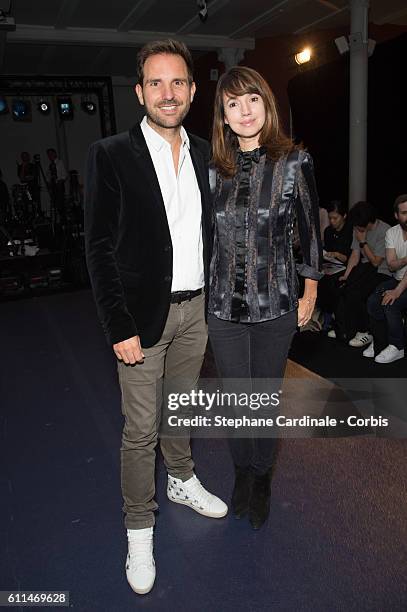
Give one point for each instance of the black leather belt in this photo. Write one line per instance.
(184, 296)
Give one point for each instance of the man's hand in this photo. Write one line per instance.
(342, 279)
(129, 351)
(360, 236)
(390, 296)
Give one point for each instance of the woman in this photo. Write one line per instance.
(263, 182)
(337, 247)
(339, 234)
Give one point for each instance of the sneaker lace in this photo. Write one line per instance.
(199, 493)
(389, 350)
(140, 550)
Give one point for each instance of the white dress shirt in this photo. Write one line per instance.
(182, 201)
(60, 168)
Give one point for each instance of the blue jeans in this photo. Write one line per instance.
(387, 321)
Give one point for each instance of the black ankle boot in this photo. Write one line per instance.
(259, 507)
(242, 491)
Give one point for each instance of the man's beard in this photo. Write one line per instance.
(403, 226)
(170, 122)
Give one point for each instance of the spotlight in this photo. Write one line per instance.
(342, 44)
(203, 10)
(21, 110)
(44, 107)
(88, 106)
(3, 105)
(303, 57)
(65, 108)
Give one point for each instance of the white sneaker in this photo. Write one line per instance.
(191, 493)
(331, 333)
(389, 354)
(369, 351)
(361, 339)
(140, 565)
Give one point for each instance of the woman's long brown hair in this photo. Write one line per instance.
(238, 81)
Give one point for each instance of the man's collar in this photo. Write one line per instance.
(156, 140)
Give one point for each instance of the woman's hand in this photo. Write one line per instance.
(306, 306)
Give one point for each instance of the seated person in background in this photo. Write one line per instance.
(386, 305)
(366, 268)
(339, 234)
(337, 242)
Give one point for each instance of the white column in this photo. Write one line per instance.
(358, 43)
(230, 56)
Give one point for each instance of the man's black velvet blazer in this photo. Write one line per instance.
(128, 242)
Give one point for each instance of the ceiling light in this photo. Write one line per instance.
(44, 107)
(3, 105)
(21, 110)
(342, 44)
(303, 56)
(88, 106)
(65, 108)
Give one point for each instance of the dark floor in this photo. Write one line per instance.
(336, 539)
(333, 359)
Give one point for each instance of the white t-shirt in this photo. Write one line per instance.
(395, 240)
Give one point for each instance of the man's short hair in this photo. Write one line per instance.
(51, 150)
(399, 200)
(361, 214)
(169, 46)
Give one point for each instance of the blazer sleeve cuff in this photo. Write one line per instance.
(309, 272)
(121, 329)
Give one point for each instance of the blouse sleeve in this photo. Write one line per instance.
(307, 211)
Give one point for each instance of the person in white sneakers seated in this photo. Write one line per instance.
(366, 268)
(388, 303)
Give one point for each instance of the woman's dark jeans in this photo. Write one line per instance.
(252, 351)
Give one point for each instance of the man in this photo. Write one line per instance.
(56, 177)
(387, 304)
(27, 173)
(148, 235)
(366, 268)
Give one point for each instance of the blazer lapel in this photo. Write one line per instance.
(146, 164)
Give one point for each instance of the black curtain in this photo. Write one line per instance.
(319, 102)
